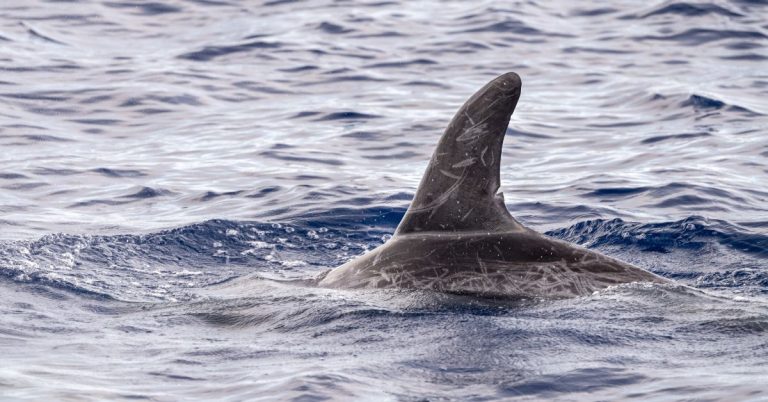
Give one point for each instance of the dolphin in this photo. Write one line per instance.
(458, 237)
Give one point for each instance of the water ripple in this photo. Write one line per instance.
(174, 172)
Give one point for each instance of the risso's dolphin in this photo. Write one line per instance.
(457, 235)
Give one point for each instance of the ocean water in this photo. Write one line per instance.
(169, 168)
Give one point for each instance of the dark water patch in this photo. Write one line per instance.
(153, 111)
(367, 135)
(212, 3)
(25, 186)
(49, 286)
(42, 69)
(732, 327)
(24, 126)
(31, 31)
(676, 62)
(91, 203)
(588, 337)
(383, 34)
(299, 69)
(14, 333)
(586, 380)
(346, 78)
(210, 195)
(381, 3)
(309, 177)
(401, 64)
(689, 10)
(97, 122)
(130, 329)
(145, 8)
(702, 102)
(305, 113)
(755, 224)
(281, 2)
(460, 47)
(46, 96)
(349, 115)
(509, 25)
(426, 84)
(389, 147)
(672, 188)
(148, 192)
(582, 49)
(201, 76)
(334, 29)
(209, 53)
(383, 217)
(744, 45)
(548, 211)
(44, 171)
(700, 36)
(745, 57)
(336, 71)
(261, 88)
(683, 200)
(119, 71)
(402, 196)
(399, 156)
(130, 102)
(264, 192)
(358, 53)
(175, 377)
(45, 138)
(305, 159)
(620, 124)
(12, 176)
(51, 111)
(745, 278)
(593, 12)
(95, 99)
(694, 233)
(616, 192)
(118, 172)
(256, 36)
(184, 99)
(660, 138)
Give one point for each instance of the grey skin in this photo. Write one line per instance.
(458, 237)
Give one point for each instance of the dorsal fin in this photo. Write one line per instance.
(458, 190)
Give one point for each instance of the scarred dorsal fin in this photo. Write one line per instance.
(458, 190)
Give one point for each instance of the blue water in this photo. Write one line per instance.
(172, 170)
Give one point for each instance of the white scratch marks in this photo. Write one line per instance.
(464, 163)
(449, 174)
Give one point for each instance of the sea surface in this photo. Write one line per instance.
(168, 168)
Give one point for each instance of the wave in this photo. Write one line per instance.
(166, 264)
(209, 53)
(692, 233)
(686, 9)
